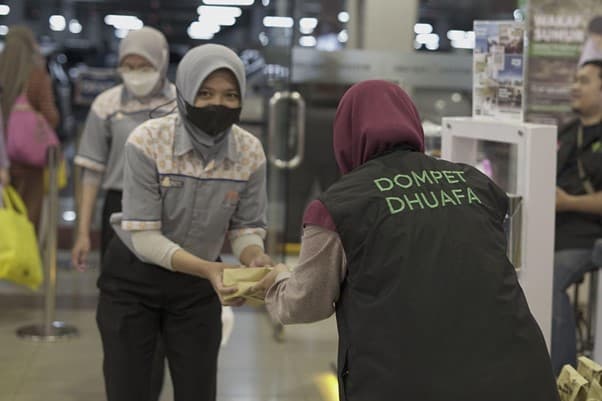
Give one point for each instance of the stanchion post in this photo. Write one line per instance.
(51, 242)
(50, 330)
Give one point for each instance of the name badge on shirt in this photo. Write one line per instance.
(231, 198)
(169, 182)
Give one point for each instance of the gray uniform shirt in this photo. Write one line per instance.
(113, 116)
(194, 203)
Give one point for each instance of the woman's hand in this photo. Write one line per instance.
(254, 256)
(261, 260)
(80, 252)
(215, 277)
(260, 289)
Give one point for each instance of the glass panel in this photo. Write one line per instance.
(281, 147)
(318, 170)
(273, 66)
(498, 161)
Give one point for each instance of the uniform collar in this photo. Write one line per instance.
(183, 145)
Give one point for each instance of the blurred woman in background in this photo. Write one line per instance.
(115, 113)
(23, 71)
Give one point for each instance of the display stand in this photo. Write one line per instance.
(532, 167)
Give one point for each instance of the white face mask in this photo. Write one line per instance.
(140, 84)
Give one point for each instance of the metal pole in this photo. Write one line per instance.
(50, 330)
(51, 243)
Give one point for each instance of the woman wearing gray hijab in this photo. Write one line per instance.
(191, 180)
(143, 63)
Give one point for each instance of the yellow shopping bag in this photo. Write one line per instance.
(62, 176)
(19, 255)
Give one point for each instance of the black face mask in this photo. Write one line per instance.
(213, 119)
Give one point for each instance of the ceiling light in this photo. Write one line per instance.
(343, 36)
(124, 22)
(455, 34)
(308, 41)
(343, 17)
(57, 23)
(461, 39)
(306, 31)
(423, 28)
(3, 30)
(462, 44)
(308, 25)
(278, 22)
(203, 30)
(426, 38)
(121, 33)
(223, 21)
(229, 2)
(200, 36)
(74, 26)
(204, 26)
(218, 11)
(265, 2)
(4, 9)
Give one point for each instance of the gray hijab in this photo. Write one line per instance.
(198, 63)
(151, 44)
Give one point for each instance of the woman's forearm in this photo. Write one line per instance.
(184, 262)
(86, 207)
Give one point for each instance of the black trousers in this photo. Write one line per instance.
(112, 204)
(141, 304)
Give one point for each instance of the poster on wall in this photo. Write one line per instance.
(498, 70)
(562, 35)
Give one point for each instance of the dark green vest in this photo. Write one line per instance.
(431, 309)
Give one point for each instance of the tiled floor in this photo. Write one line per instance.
(253, 366)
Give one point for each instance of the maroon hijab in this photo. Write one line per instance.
(372, 117)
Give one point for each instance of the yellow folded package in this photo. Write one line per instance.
(571, 385)
(592, 372)
(244, 278)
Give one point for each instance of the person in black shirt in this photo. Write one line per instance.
(578, 204)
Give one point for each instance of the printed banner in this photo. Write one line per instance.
(562, 35)
(498, 70)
